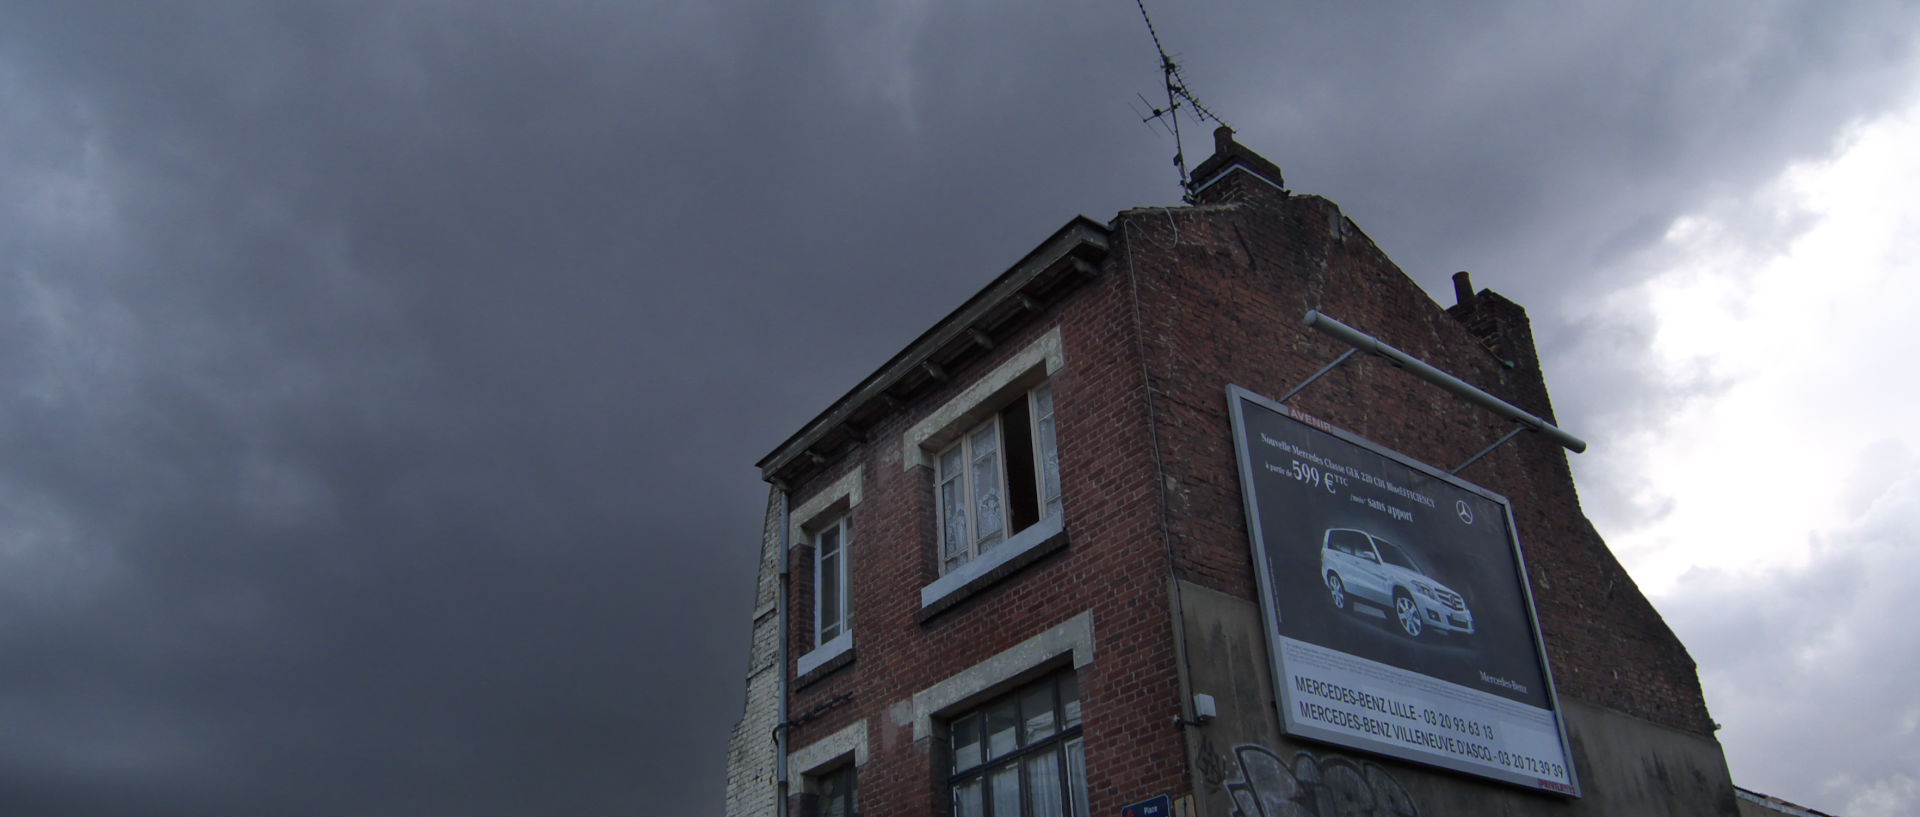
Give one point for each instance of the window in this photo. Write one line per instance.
(1021, 755)
(1349, 541)
(1395, 556)
(998, 479)
(830, 581)
(822, 538)
(836, 793)
(827, 769)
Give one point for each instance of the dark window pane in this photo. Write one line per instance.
(1002, 727)
(829, 596)
(1069, 701)
(966, 743)
(1036, 711)
(836, 794)
(1350, 541)
(830, 539)
(1394, 556)
(1023, 501)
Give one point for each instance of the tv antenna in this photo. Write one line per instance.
(1178, 97)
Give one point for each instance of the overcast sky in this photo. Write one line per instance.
(382, 381)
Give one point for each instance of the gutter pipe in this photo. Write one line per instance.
(780, 731)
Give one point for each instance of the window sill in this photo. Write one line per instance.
(822, 659)
(1025, 548)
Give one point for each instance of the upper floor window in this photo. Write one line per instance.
(830, 585)
(1021, 755)
(999, 478)
(822, 536)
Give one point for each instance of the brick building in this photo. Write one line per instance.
(1009, 572)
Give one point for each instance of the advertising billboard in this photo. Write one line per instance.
(1396, 604)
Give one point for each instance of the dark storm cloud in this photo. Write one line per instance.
(384, 379)
(1556, 138)
(365, 424)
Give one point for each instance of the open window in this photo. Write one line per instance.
(995, 461)
(1000, 478)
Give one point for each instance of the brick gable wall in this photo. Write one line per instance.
(1224, 286)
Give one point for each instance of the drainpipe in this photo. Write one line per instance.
(780, 615)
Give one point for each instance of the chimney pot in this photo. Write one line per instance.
(1462, 288)
(1222, 139)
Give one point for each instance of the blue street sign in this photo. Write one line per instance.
(1161, 806)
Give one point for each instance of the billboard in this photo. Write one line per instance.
(1396, 604)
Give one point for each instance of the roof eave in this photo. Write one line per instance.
(1073, 251)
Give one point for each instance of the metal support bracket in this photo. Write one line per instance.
(1489, 449)
(1319, 374)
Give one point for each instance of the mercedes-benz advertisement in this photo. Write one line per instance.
(1396, 605)
(1362, 567)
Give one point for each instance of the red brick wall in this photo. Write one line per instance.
(1189, 300)
(1114, 565)
(1223, 288)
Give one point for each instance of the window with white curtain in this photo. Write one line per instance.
(1021, 755)
(998, 479)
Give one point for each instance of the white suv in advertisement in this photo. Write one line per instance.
(1359, 566)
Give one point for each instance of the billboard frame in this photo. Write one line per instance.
(1237, 397)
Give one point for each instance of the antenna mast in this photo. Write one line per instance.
(1177, 95)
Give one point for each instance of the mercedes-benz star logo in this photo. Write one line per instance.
(1466, 513)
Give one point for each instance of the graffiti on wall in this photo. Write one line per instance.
(1263, 784)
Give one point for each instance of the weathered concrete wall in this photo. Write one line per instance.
(1244, 767)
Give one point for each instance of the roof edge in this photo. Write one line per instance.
(1077, 237)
